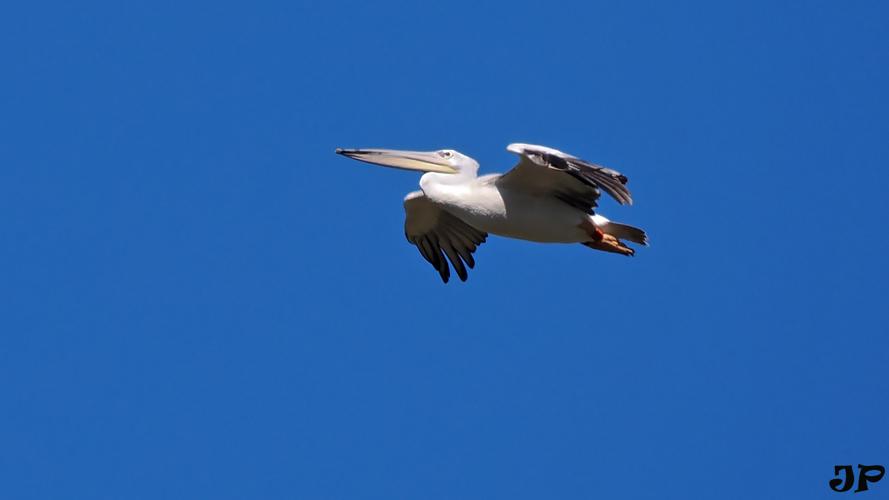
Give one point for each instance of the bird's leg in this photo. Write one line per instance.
(610, 244)
(604, 241)
(592, 231)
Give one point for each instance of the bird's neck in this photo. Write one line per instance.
(442, 186)
(435, 178)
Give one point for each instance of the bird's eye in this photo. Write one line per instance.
(445, 154)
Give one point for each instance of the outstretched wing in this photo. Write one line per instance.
(548, 171)
(437, 233)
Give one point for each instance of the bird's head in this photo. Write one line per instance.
(442, 161)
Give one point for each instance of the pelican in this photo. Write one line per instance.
(548, 197)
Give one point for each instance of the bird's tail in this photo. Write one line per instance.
(625, 232)
(621, 231)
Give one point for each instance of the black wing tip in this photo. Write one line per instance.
(444, 271)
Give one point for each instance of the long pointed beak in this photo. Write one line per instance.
(409, 160)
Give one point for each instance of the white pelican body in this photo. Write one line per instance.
(548, 197)
(484, 205)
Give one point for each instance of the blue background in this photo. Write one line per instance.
(200, 300)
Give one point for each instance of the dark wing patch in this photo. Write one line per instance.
(440, 236)
(612, 181)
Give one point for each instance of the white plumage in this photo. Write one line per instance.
(548, 197)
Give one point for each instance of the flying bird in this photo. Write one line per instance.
(548, 197)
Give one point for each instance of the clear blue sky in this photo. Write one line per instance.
(200, 300)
